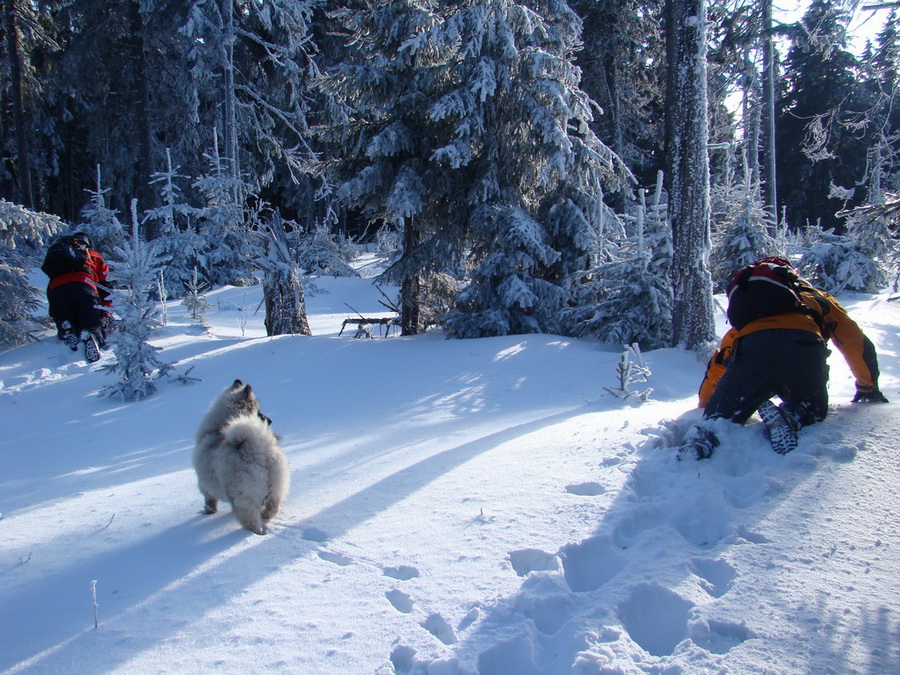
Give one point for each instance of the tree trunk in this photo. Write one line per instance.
(144, 163)
(14, 57)
(752, 121)
(688, 172)
(770, 197)
(285, 303)
(411, 286)
(228, 108)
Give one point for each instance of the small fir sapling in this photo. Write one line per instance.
(194, 300)
(101, 222)
(631, 369)
(173, 225)
(134, 277)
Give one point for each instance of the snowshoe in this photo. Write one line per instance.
(781, 427)
(91, 350)
(698, 444)
(67, 335)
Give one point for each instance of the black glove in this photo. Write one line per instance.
(869, 395)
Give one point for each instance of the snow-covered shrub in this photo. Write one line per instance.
(835, 263)
(23, 233)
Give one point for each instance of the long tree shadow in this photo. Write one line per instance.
(57, 607)
(167, 561)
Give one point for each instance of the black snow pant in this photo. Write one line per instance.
(790, 364)
(77, 303)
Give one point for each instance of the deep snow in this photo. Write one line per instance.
(456, 507)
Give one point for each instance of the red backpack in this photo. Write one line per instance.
(764, 288)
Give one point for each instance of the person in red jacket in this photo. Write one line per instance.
(77, 293)
(783, 355)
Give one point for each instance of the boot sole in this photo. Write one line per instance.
(779, 431)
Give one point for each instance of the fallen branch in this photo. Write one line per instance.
(371, 321)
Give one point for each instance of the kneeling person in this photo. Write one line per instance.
(776, 346)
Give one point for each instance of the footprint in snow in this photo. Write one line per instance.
(588, 565)
(438, 626)
(715, 575)
(640, 519)
(655, 618)
(314, 534)
(532, 560)
(751, 536)
(336, 558)
(719, 637)
(401, 572)
(703, 522)
(548, 613)
(470, 618)
(589, 489)
(401, 601)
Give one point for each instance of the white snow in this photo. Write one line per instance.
(456, 507)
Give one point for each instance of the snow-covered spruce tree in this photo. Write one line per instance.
(282, 290)
(251, 63)
(323, 251)
(101, 222)
(23, 233)
(835, 262)
(177, 240)
(228, 248)
(133, 274)
(466, 129)
(872, 236)
(741, 232)
(633, 294)
(543, 172)
(816, 148)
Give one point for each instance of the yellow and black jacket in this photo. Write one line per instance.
(825, 318)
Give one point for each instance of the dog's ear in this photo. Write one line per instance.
(236, 384)
(248, 392)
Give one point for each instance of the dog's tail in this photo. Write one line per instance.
(251, 438)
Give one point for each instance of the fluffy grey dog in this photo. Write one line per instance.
(237, 459)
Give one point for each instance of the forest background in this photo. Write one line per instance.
(589, 168)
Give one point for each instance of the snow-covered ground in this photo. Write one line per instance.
(456, 507)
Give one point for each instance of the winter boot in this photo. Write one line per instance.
(91, 350)
(781, 427)
(67, 335)
(698, 444)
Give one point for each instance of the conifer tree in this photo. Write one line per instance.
(323, 251)
(101, 222)
(194, 300)
(177, 239)
(23, 233)
(133, 275)
(835, 262)
(468, 130)
(252, 62)
(228, 248)
(741, 228)
(816, 148)
(632, 289)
